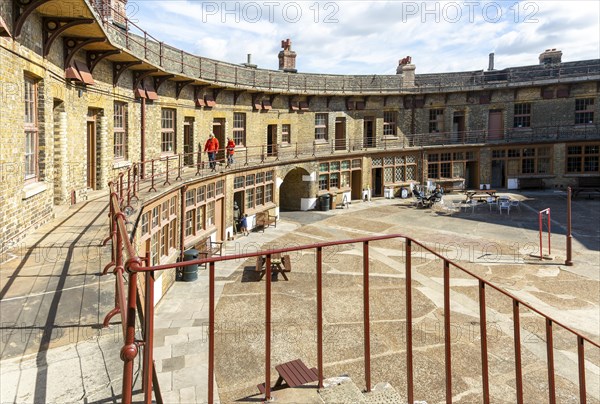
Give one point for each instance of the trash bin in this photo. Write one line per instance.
(325, 202)
(190, 272)
(388, 193)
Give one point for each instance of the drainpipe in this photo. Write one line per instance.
(143, 135)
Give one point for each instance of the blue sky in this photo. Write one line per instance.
(369, 37)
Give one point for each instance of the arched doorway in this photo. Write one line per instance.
(294, 189)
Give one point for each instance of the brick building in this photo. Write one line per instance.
(101, 95)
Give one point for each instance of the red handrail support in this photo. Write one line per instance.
(541, 223)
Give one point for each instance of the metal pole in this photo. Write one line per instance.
(484, 350)
(320, 314)
(517, 340)
(541, 246)
(143, 135)
(581, 365)
(409, 350)
(549, 233)
(568, 261)
(550, 358)
(366, 316)
(447, 342)
(211, 330)
(268, 329)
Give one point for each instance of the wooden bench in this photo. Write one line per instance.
(294, 373)
(586, 185)
(264, 219)
(531, 183)
(208, 248)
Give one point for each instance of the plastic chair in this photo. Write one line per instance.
(515, 204)
(504, 204)
(491, 201)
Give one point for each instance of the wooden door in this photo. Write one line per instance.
(219, 131)
(495, 125)
(340, 133)
(272, 140)
(369, 132)
(188, 141)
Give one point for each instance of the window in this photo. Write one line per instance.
(260, 193)
(250, 198)
(239, 128)
(436, 120)
(334, 175)
(285, 133)
(174, 233)
(526, 160)
(583, 158)
(389, 123)
(154, 258)
(189, 223)
(584, 110)
(200, 218)
(120, 130)
(31, 130)
(210, 213)
(190, 197)
(145, 223)
(269, 193)
(440, 165)
(167, 131)
(321, 126)
(522, 117)
(164, 242)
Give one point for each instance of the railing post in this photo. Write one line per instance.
(447, 341)
(152, 188)
(268, 328)
(568, 261)
(409, 341)
(246, 156)
(130, 348)
(179, 169)
(581, 366)
(320, 314)
(366, 316)
(198, 162)
(148, 335)
(211, 330)
(167, 174)
(550, 358)
(517, 340)
(484, 349)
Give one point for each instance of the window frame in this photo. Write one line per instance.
(321, 127)
(239, 129)
(390, 120)
(31, 169)
(168, 132)
(120, 136)
(522, 115)
(583, 157)
(584, 114)
(286, 136)
(435, 126)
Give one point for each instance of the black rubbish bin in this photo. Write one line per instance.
(325, 202)
(190, 272)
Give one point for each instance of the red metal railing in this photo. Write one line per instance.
(127, 263)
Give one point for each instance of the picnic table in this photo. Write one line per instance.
(279, 265)
(480, 194)
(294, 373)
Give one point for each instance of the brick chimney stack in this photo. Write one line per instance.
(407, 70)
(551, 57)
(287, 57)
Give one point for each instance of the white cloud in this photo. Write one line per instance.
(369, 37)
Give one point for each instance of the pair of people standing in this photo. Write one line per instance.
(211, 147)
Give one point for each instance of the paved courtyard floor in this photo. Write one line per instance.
(53, 302)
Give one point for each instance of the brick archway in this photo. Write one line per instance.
(294, 188)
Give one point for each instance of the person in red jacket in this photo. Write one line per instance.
(230, 151)
(211, 147)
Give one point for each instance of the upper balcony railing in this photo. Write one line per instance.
(128, 264)
(128, 35)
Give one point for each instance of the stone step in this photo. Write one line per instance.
(383, 393)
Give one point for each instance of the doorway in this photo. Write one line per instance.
(188, 141)
(369, 132)
(498, 174)
(458, 127)
(495, 125)
(219, 131)
(340, 133)
(91, 149)
(356, 185)
(471, 175)
(272, 140)
(377, 182)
